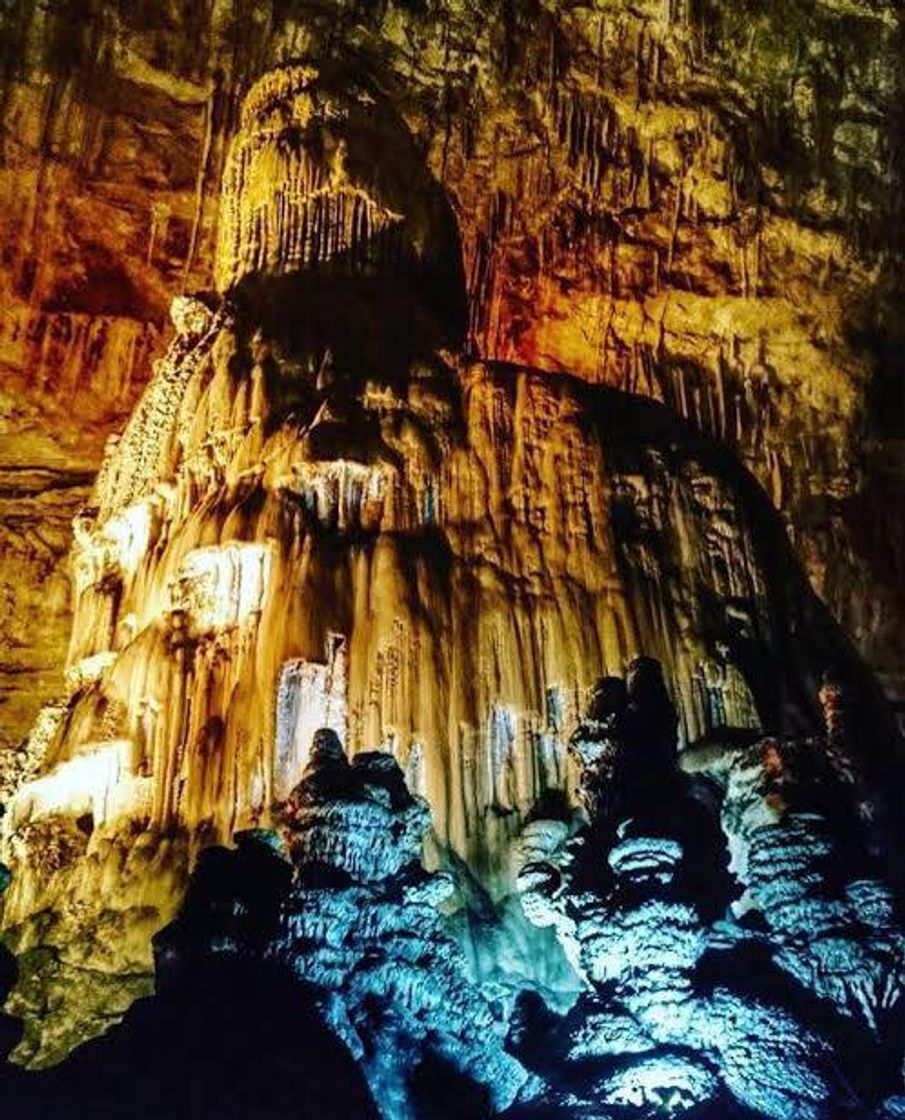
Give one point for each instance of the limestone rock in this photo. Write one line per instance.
(354, 917)
(652, 1034)
(347, 497)
(692, 202)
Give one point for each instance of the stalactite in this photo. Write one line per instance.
(437, 556)
(142, 455)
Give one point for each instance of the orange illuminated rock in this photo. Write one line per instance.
(322, 513)
(679, 200)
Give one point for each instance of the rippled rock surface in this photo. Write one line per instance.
(787, 1005)
(353, 917)
(699, 202)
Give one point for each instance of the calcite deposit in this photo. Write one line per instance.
(766, 985)
(487, 546)
(310, 521)
(695, 201)
(357, 920)
(686, 1008)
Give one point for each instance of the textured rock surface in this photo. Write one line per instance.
(10, 1029)
(696, 201)
(355, 918)
(685, 1009)
(37, 505)
(333, 517)
(220, 1037)
(392, 473)
(330, 934)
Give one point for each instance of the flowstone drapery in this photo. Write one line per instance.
(325, 512)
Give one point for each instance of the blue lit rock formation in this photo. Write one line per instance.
(224, 1035)
(685, 1009)
(353, 917)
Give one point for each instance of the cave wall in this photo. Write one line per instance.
(693, 201)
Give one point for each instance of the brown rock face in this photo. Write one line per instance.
(325, 511)
(694, 201)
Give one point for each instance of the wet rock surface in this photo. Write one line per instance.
(352, 916)
(322, 949)
(506, 368)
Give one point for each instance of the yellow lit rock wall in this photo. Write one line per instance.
(686, 200)
(451, 601)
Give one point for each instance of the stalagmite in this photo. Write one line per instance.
(357, 921)
(640, 925)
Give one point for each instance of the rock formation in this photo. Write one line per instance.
(353, 917)
(9, 1028)
(685, 1008)
(223, 1035)
(320, 519)
(348, 508)
(769, 986)
(688, 200)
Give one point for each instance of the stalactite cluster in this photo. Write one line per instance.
(358, 586)
(690, 201)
